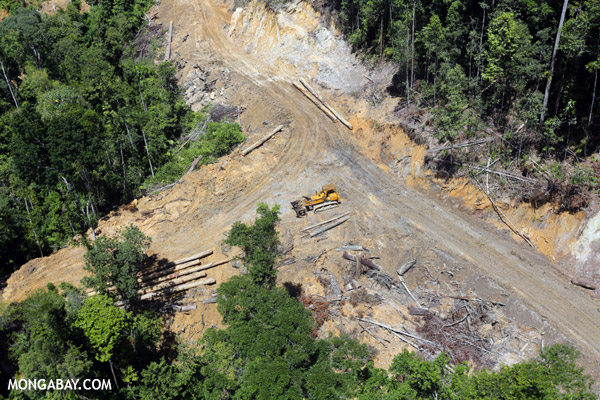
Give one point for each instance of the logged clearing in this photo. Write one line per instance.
(500, 299)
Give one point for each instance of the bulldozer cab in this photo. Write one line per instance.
(330, 192)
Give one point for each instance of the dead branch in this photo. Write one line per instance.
(389, 328)
(380, 340)
(503, 217)
(460, 145)
(408, 291)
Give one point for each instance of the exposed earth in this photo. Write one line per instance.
(516, 299)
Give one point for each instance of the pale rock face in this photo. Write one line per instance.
(586, 249)
(294, 39)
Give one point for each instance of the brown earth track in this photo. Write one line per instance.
(312, 151)
(515, 267)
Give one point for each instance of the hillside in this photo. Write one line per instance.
(248, 59)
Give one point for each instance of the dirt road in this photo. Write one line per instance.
(312, 151)
(317, 151)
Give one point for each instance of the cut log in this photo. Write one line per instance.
(169, 270)
(183, 308)
(406, 267)
(330, 226)
(261, 141)
(305, 92)
(326, 104)
(417, 311)
(169, 37)
(584, 284)
(194, 257)
(188, 261)
(168, 277)
(210, 300)
(325, 222)
(184, 269)
(179, 288)
(364, 261)
(173, 282)
(350, 247)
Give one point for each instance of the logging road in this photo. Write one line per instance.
(311, 151)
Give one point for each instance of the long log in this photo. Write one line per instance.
(168, 50)
(325, 222)
(180, 288)
(326, 104)
(173, 282)
(168, 270)
(305, 92)
(174, 275)
(261, 141)
(172, 264)
(330, 226)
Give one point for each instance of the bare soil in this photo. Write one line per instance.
(461, 261)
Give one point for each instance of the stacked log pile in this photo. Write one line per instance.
(176, 276)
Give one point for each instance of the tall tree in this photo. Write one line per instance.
(553, 60)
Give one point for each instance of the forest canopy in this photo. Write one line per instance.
(86, 123)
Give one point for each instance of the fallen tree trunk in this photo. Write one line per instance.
(315, 101)
(326, 104)
(169, 37)
(325, 222)
(330, 226)
(194, 163)
(261, 141)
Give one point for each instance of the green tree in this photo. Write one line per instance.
(259, 243)
(115, 262)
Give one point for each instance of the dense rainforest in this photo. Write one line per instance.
(521, 76)
(267, 351)
(86, 123)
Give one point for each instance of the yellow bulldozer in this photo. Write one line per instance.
(327, 198)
